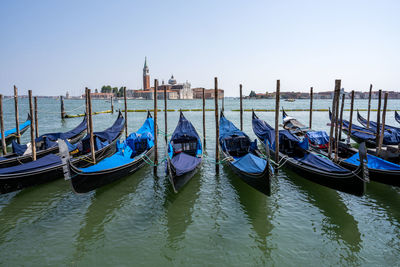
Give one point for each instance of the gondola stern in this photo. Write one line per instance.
(65, 158)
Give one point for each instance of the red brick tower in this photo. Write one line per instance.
(146, 76)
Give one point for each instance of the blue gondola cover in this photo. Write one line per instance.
(184, 163)
(44, 162)
(14, 130)
(374, 162)
(127, 150)
(250, 163)
(184, 135)
(64, 136)
(318, 137)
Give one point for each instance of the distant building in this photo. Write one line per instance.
(146, 76)
(208, 93)
(100, 95)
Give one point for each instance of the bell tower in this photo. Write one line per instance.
(146, 76)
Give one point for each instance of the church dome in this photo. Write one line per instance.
(172, 80)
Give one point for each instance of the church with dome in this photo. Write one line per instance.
(174, 89)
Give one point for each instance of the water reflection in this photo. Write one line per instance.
(388, 198)
(338, 224)
(104, 202)
(179, 209)
(259, 209)
(30, 205)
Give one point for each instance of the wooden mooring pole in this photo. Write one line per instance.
(3, 138)
(369, 104)
(33, 141)
(126, 114)
(36, 119)
(62, 108)
(216, 125)
(155, 127)
(204, 119)
(311, 104)
(112, 105)
(383, 123)
(165, 115)
(333, 122)
(337, 85)
(277, 98)
(378, 118)
(87, 111)
(17, 114)
(241, 106)
(351, 117)
(91, 127)
(341, 117)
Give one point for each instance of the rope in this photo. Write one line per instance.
(65, 111)
(162, 132)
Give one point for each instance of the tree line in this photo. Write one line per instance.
(108, 89)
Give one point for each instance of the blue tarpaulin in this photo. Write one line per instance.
(365, 134)
(318, 137)
(186, 140)
(14, 130)
(374, 162)
(108, 135)
(184, 129)
(321, 163)
(64, 136)
(126, 151)
(184, 163)
(264, 131)
(41, 163)
(250, 163)
(227, 128)
(20, 149)
(373, 125)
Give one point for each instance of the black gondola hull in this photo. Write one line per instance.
(259, 181)
(180, 181)
(381, 176)
(349, 184)
(86, 182)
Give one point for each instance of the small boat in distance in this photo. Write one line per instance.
(130, 156)
(185, 154)
(243, 156)
(290, 100)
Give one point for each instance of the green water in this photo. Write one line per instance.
(214, 220)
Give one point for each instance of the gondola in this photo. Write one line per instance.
(373, 125)
(12, 134)
(185, 154)
(368, 135)
(379, 170)
(293, 125)
(294, 154)
(243, 156)
(397, 116)
(51, 167)
(129, 157)
(45, 144)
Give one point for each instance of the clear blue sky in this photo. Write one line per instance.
(55, 46)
